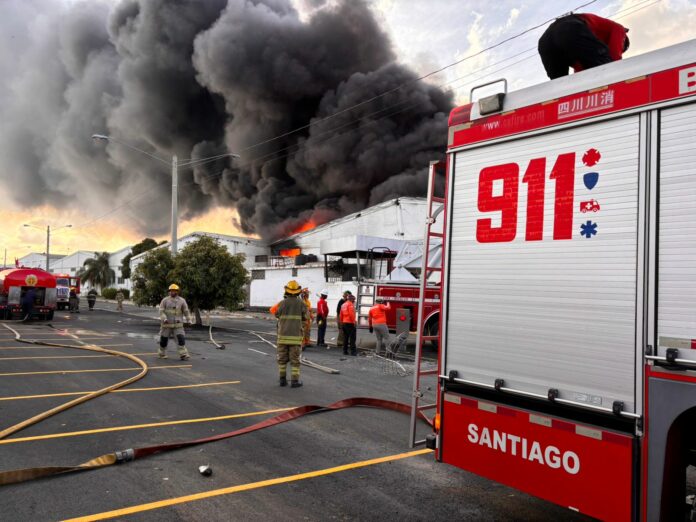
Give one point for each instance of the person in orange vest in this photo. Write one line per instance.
(348, 324)
(581, 41)
(307, 329)
(377, 319)
(341, 302)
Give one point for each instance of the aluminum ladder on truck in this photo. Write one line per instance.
(437, 207)
(365, 301)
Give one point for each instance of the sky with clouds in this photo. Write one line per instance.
(426, 35)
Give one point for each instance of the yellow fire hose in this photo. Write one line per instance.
(90, 347)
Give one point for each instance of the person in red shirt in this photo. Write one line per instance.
(348, 324)
(377, 319)
(581, 41)
(322, 316)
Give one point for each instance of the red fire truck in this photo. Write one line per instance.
(567, 366)
(64, 282)
(403, 297)
(14, 284)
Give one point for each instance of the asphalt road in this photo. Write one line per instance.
(320, 467)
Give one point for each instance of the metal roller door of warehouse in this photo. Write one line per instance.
(545, 312)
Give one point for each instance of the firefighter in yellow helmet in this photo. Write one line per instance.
(174, 314)
(291, 313)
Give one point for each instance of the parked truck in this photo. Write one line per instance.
(64, 282)
(14, 284)
(567, 366)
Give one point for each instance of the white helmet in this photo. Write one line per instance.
(324, 292)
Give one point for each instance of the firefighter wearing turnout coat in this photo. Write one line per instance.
(307, 341)
(292, 314)
(174, 313)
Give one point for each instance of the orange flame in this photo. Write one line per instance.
(304, 227)
(290, 252)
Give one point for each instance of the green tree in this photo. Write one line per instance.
(209, 276)
(96, 271)
(152, 277)
(146, 244)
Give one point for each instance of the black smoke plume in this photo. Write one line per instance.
(199, 78)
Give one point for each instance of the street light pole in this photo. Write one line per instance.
(48, 242)
(175, 203)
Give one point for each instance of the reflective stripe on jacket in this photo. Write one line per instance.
(291, 314)
(175, 311)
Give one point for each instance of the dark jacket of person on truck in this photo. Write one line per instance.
(581, 41)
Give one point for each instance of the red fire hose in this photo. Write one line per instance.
(118, 457)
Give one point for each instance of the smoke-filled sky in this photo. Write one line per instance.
(200, 78)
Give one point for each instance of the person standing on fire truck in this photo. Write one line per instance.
(348, 324)
(581, 41)
(377, 318)
(322, 316)
(174, 313)
(291, 313)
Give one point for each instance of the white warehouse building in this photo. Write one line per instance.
(251, 248)
(334, 256)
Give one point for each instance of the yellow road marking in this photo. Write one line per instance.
(66, 338)
(68, 394)
(66, 356)
(33, 347)
(246, 487)
(98, 370)
(141, 426)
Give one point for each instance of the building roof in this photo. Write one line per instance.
(222, 237)
(370, 210)
(39, 254)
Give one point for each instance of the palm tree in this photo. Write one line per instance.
(96, 271)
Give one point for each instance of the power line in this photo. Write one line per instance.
(410, 82)
(634, 8)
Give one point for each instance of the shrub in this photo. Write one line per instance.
(109, 293)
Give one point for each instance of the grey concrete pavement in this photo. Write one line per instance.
(255, 477)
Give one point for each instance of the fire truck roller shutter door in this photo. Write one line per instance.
(547, 300)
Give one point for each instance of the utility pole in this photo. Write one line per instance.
(175, 203)
(48, 242)
(175, 177)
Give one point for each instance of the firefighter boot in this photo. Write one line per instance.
(295, 384)
(183, 352)
(283, 381)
